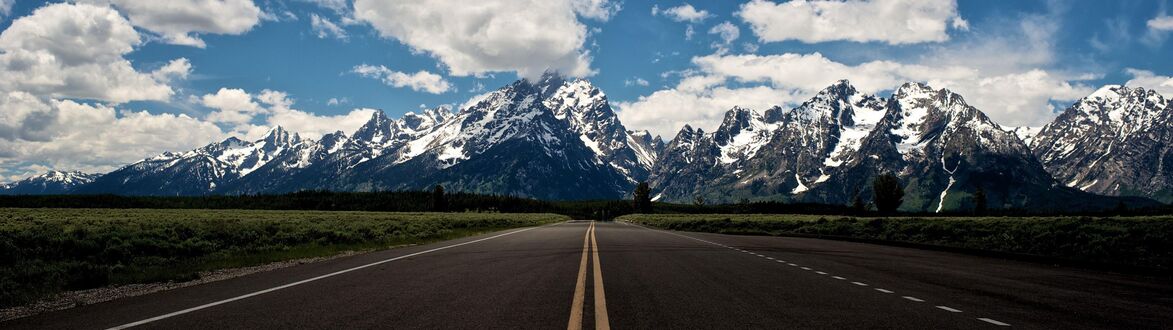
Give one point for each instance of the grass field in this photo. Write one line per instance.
(45, 251)
(1144, 242)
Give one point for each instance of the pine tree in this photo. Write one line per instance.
(642, 199)
(439, 201)
(889, 193)
(979, 201)
(858, 205)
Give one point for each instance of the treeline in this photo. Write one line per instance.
(386, 201)
(431, 201)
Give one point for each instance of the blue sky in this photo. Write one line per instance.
(239, 66)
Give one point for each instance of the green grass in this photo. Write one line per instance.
(46, 251)
(1144, 242)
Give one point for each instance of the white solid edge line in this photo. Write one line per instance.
(950, 309)
(257, 293)
(913, 298)
(994, 322)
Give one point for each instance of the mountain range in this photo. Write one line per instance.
(558, 138)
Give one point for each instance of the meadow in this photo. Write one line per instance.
(1144, 243)
(46, 251)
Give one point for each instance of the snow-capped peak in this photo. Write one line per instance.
(378, 129)
(1106, 92)
(70, 178)
(742, 134)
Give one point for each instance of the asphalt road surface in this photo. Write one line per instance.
(549, 278)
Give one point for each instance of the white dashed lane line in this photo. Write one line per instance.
(886, 291)
(994, 322)
(949, 309)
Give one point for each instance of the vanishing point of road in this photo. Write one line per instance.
(583, 274)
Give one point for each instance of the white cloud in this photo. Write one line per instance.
(596, 9)
(1014, 99)
(97, 138)
(325, 28)
(177, 69)
(727, 32)
(523, 36)
(338, 6)
(233, 106)
(6, 7)
(682, 13)
(1150, 80)
(421, 81)
(1006, 71)
(1161, 23)
(664, 112)
(308, 125)
(890, 21)
(75, 51)
(333, 101)
(252, 115)
(635, 81)
(181, 21)
(24, 116)
(1159, 28)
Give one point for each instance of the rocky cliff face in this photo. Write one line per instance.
(1115, 141)
(828, 150)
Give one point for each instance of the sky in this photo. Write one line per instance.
(92, 85)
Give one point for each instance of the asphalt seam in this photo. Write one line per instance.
(885, 291)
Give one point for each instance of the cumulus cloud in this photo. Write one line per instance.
(528, 37)
(1014, 99)
(251, 115)
(325, 28)
(891, 21)
(75, 51)
(98, 138)
(596, 9)
(177, 69)
(24, 116)
(181, 21)
(421, 81)
(1006, 72)
(1150, 80)
(682, 13)
(233, 106)
(664, 112)
(727, 32)
(1161, 23)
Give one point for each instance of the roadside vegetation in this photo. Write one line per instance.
(1139, 242)
(46, 251)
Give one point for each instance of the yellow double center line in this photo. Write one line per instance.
(589, 246)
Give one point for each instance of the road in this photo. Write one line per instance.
(549, 278)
